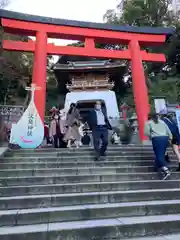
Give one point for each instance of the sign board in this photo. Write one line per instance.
(160, 105)
(178, 118)
(29, 131)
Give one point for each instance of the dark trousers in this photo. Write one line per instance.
(100, 133)
(160, 145)
(48, 141)
(58, 141)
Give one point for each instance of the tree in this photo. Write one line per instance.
(16, 70)
(15, 73)
(141, 13)
(12, 69)
(153, 13)
(4, 3)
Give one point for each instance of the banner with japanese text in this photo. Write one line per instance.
(160, 106)
(29, 131)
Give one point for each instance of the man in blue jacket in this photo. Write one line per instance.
(100, 124)
(176, 136)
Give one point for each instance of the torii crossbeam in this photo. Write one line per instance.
(90, 33)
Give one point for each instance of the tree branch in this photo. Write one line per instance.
(4, 3)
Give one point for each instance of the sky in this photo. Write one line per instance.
(83, 10)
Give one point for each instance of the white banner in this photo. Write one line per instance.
(178, 118)
(29, 131)
(160, 106)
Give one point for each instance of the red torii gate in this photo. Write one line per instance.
(90, 33)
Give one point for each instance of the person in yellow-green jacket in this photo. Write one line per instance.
(160, 135)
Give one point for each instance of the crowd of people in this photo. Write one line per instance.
(163, 131)
(67, 128)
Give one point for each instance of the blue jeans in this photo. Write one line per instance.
(160, 145)
(100, 133)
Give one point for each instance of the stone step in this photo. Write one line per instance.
(115, 228)
(79, 164)
(38, 180)
(161, 237)
(86, 187)
(76, 171)
(82, 155)
(77, 152)
(87, 212)
(80, 149)
(84, 149)
(82, 158)
(58, 200)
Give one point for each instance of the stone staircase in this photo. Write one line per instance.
(49, 194)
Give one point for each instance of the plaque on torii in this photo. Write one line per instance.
(90, 33)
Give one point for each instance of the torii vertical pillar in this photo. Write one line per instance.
(139, 87)
(39, 71)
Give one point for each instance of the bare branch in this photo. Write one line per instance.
(4, 3)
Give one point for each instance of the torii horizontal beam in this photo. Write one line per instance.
(79, 34)
(90, 25)
(83, 51)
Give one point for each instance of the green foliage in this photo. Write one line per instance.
(162, 79)
(147, 13)
(14, 73)
(141, 13)
(125, 132)
(52, 91)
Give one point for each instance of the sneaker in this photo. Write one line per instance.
(166, 175)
